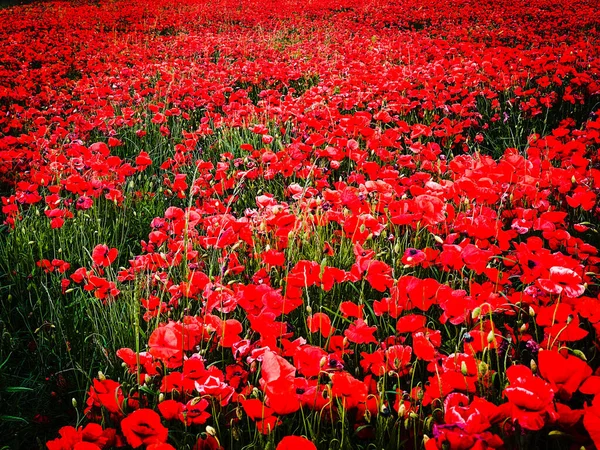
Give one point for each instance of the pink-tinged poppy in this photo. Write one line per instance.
(143, 427)
(103, 255)
(413, 257)
(277, 382)
(562, 281)
(430, 208)
(295, 443)
(166, 344)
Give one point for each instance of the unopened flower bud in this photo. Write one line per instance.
(402, 410)
(483, 368)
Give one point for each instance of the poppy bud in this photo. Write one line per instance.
(308, 309)
(463, 368)
(533, 366)
(579, 354)
(438, 239)
(483, 368)
(491, 337)
(211, 431)
(161, 397)
(384, 410)
(74, 402)
(476, 313)
(531, 311)
(569, 319)
(401, 410)
(101, 376)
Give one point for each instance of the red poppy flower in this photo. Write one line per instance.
(320, 322)
(160, 447)
(591, 420)
(531, 398)
(423, 347)
(255, 409)
(106, 393)
(360, 333)
(103, 255)
(171, 409)
(351, 309)
(564, 372)
(143, 427)
(295, 443)
(207, 442)
(195, 412)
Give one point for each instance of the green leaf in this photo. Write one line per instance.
(14, 389)
(13, 419)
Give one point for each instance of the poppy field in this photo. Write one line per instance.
(300, 225)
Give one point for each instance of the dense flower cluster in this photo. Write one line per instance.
(380, 215)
